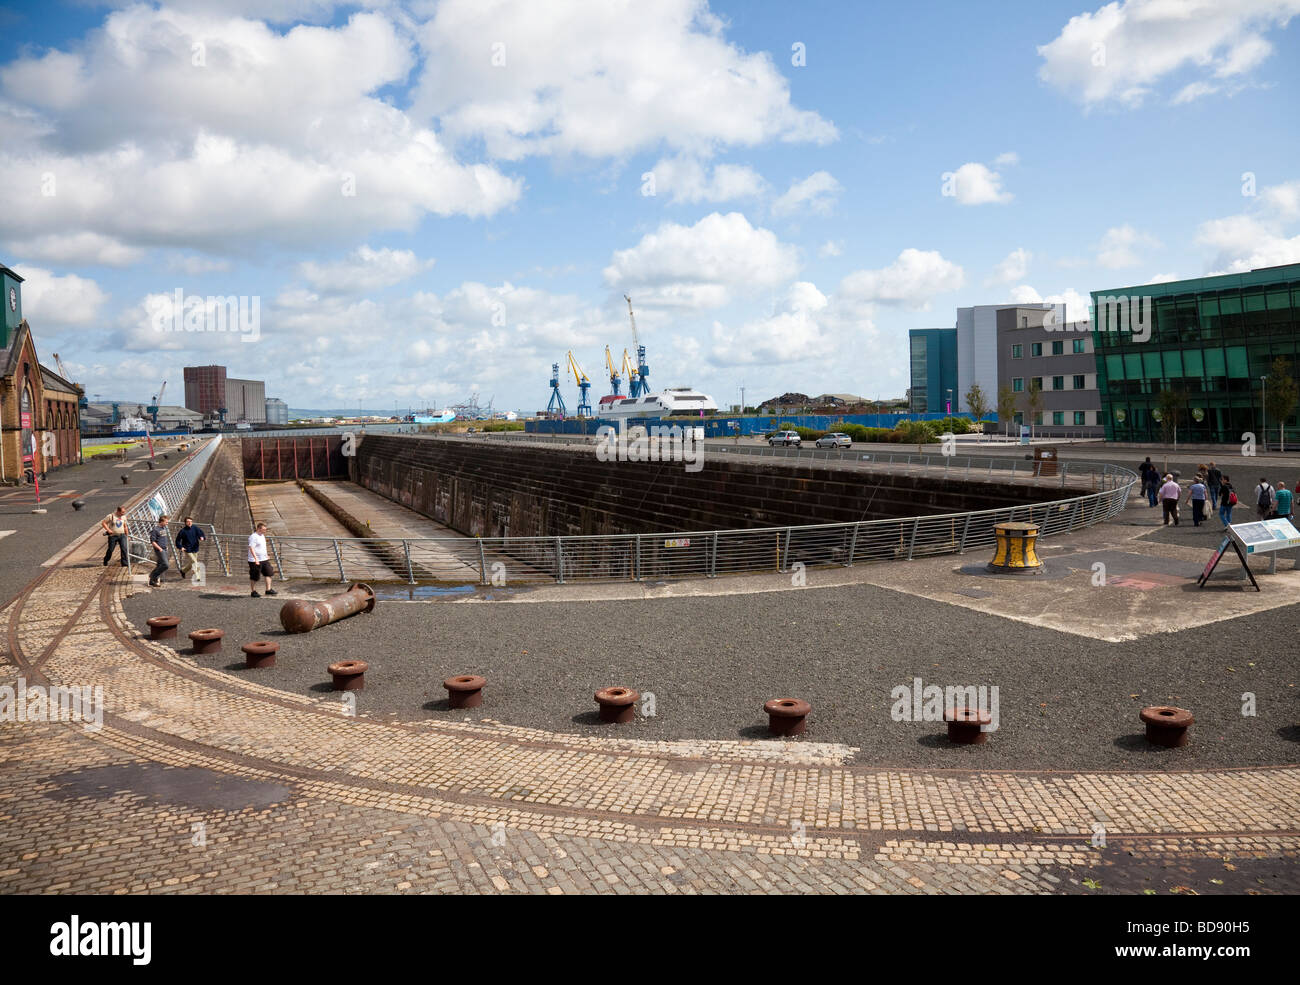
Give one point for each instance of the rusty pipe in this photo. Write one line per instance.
(301, 616)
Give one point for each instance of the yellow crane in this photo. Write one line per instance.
(614, 380)
(584, 385)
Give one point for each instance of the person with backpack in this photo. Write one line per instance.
(1196, 495)
(1213, 482)
(1227, 500)
(1170, 493)
(1282, 502)
(1263, 499)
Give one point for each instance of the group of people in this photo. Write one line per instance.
(1213, 486)
(188, 541)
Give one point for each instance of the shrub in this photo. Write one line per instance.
(915, 432)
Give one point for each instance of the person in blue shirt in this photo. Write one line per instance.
(188, 539)
(1198, 494)
(1282, 502)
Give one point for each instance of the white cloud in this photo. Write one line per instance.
(197, 264)
(831, 248)
(911, 281)
(264, 141)
(53, 300)
(1246, 242)
(1121, 52)
(1013, 267)
(601, 78)
(794, 331)
(1162, 278)
(684, 179)
(1008, 159)
(1283, 200)
(365, 269)
(816, 193)
(1119, 244)
(975, 184)
(1076, 304)
(700, 266)
(77, 248)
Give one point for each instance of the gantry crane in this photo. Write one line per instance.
(640, 385)
(157, 399)
(556, 409)
(630, 372)
(614, 381)
(584, 384)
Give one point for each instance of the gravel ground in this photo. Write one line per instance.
(711, 662)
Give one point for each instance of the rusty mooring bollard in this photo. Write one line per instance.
(349, 675)
(1167, 725)
(163, 627)
(964, 725)
(260, 653)
(465, 691)
(617, 704)
(301, 616)
(78, 505)
(207, 640)
(785, 716)
(125, 478)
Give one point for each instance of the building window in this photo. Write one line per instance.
(1080, 345)
(1024, 321)
(1038, 419)
(1080, 382)
(1035, 348)
(1018, 384)
(1037, 383)
(1058, 382)
(1058, 417)
(1017, 351)
(1080, 417)
(1058, 348)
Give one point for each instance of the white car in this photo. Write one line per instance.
(834, 440)
(784, 438)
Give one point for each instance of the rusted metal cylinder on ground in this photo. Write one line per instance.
(785, 716)
(1167, 725)
(163, 627)
(301, 616)
(260, 653)
(206, 640)
(617, 704)
(349, 675)
(465, 690)
(965, 725)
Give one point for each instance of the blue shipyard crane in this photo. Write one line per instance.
(584, 385)
(614, 381)
(640, 385)
(556, 408)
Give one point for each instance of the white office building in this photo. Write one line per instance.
(977, 348)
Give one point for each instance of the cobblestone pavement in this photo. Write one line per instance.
(197, 781)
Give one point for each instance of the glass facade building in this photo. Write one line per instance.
(1212, 340)
(934, 370)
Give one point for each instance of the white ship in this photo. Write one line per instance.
(673, 400)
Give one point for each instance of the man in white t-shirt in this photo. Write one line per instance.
(259, 563)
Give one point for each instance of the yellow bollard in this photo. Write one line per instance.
(1015, 551)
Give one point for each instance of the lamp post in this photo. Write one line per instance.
(1263, 399)
(948, 405)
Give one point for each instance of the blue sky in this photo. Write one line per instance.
(803, 217)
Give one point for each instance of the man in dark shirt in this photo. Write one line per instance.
(158, 541)
(1213, 480)
(188, 539)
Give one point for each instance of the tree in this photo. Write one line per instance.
(1033, 399)
(1169, 411)
(1280, 397)
(1006, 404)
(976, 402)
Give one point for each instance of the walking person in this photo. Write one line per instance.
(188, 539)
(1170, 493)
(1227, 500)
(1263, 499)
(1282, 502)
(158, 541)
(1150, 481)
(114, 525)
(1213, 482)
(1196, 495)
(259, 563)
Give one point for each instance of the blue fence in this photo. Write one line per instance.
(715, 427)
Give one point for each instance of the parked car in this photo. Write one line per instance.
(835, 440)
(785, 438)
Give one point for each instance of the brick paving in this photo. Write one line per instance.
(202, 782)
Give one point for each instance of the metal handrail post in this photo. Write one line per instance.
(853, 545)
(636, 560)
(559, 561)
(783, 563)
(338, 556)
(964, 531)
(911, 547)
(482, 563)
(278, 566)
(410, 570)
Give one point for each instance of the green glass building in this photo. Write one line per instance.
(1211, 340)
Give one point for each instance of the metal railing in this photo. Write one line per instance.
(167, 498)
(699, 553)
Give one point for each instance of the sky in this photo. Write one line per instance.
(424, 200)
